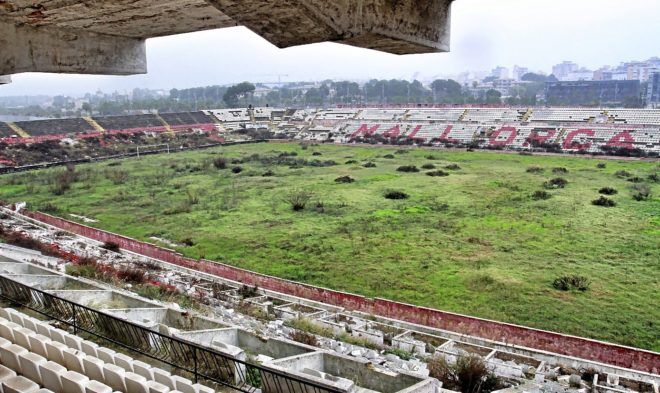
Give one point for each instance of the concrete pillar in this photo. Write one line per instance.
(395, 26)
(50, 49)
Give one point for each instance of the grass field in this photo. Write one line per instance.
(472, 242)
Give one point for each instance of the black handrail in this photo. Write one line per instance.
(203, 363)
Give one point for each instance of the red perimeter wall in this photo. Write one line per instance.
(613, 354)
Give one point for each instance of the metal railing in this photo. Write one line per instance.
(202, 363)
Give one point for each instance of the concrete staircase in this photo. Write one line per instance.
(18, 130)
(94, 124)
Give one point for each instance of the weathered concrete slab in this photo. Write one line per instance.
(5, 79)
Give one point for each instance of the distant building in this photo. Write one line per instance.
(500, 73)
(653, 91)
(519, 72)
(562, 70)
(582, 74)
(605, 93)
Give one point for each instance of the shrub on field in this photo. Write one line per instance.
(559, 170)
(564, 283)
(117, 176)
(344, 179)
(641, 192)
(389, 156)
(558, 182)
(431, 157)
(438, 173)
(601, 165)
(401, 151)
(188, 241)
(298, 199)
(602, 201)
(236, 161)
(237, 169)
(608, 191)
(49, 208)
(635, 179)
(111, 246)
(61, 181)
(453, 167)
(268, 173)
(220, 163)
(655, 177)
(132, 275)
(316, 153)
(395, 194)
(428, 166)
(535, 169)
(351, 162)
(407, 168)
(369, 164)
(468, 375)
(541, 195)
(622, 174)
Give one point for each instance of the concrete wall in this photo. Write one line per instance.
(23, 268)
(103, 299)
(604, 352)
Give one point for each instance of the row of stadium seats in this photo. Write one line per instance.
(38, 358)
(55, 126)
(6, 131)
(129, 122)
(186, 118)
(587, 138)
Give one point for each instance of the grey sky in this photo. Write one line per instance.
(485, 33)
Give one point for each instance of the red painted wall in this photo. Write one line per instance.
(513, 334)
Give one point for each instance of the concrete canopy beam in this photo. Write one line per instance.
(50, 49)
(395, 26)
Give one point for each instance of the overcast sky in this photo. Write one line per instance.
(485, 33)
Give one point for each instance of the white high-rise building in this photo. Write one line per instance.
(500, 72)
(562, 70)
(518, 72)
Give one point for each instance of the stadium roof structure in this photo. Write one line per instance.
(107, 36)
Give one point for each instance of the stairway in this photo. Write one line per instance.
(463, 115)
(94, 124)
(18, 130)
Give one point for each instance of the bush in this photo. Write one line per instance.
(535, 169)
(635, 179)
(453, 167)
(438, 173)
(389, 156)
(558, 182)
(394, 194)
(351, 162)
(237, 169)
(559, 170)
(369, 164)
(468, 375)
(316, 153)
(132, 275)
(268, 173)
(344, 179)
(117, 176)
(541, 195)
(304, 338)
(655, 177)
(428, 166)
(430, 157)
(601, 165)
(111, 246)
(407, 168)
(220, 163)
(608, 191)
(298, 199)
(564, 283)
(602, 201)
(642, 192)
(622, 174)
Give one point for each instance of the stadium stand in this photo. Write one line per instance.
(5, 131)
(435, 114)
(382, 114)
(565, 115)
(39, 358)
(55, 127)
(116, 123)
(635, 116)
(481, 115)
(337, 114)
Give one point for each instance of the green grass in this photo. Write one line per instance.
(473, 242)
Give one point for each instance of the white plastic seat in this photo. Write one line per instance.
(4, 313)
(44, 390)
(155, 387)
(106, 354)
(30, 363)
(136, 383)
(97, 387)
(4, 342)
(74, 382)
(55, 351)
(183, 384)
(199, 388)
(6, 373)
(143, 369)
(124, 361)
(43, 328)
(114, 377)
(30, 323)
(73, 341)
(15, 316)
(57, 335)
(19, 384)
(38, 344)
(164, 377)
(89, 348)
(73, 360)
(51, 376)
(22, 337)
(6, 331)
(94, 368)
(9, 356)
